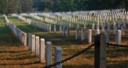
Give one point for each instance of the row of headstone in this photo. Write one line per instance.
(49, 20)
(37, 46)
(43, 26)
(45, 19)
(36, 17)
(89, 35)
(65, 31)
(100, 16)
(22, 36)
(44, 51)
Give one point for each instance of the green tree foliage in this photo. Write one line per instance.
(73, 5)
(16, 6)
(12, 6)
(26, 5)
(3, 6)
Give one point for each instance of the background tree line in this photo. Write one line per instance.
(17, 6)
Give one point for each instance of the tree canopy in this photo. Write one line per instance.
(17, 6)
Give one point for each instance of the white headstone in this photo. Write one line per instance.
(42, 51)
(33, 43)
(93, 26)
(54, 27)
(76, 34)
(48, 53)
(97, 31)
(89, 36)
(118, 37)
(60, 28)
(82, 34)
(37, 46)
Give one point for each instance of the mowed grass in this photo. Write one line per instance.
(116, 57)
(12, 53)
(6, 36)
(36, 20)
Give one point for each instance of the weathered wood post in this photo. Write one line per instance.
(58, 56)
(100, 51)
(37, 46)
(33, 43)
(42, 50)
(48, 53)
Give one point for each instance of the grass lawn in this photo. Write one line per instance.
(116, 57)
(12, 53)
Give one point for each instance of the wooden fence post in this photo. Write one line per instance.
(100, 51)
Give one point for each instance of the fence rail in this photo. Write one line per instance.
(110, 44)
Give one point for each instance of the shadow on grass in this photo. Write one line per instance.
(120, 64)
(78, 66)
(6, 36)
